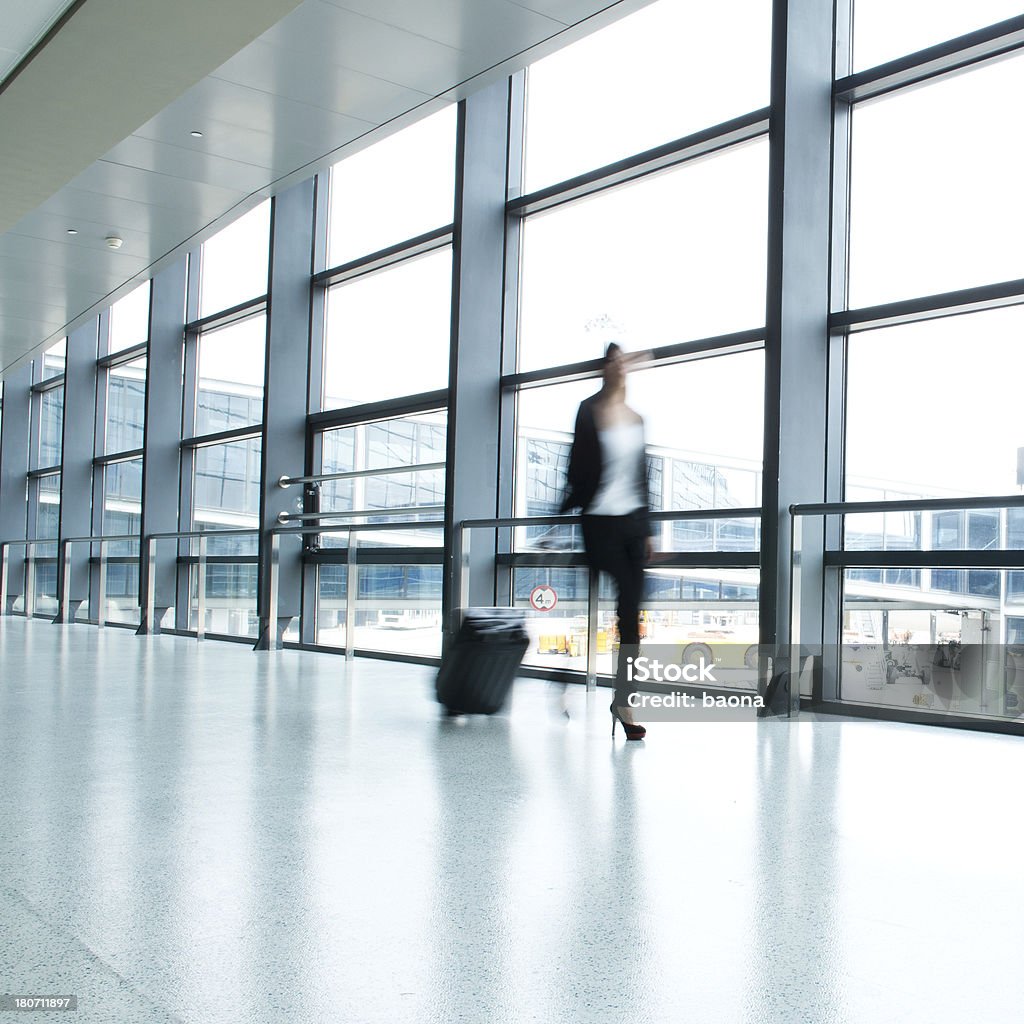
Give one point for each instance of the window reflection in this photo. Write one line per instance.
(126, 406)
(231, 370)
(51, 427)
(226, 488)
(393, 444)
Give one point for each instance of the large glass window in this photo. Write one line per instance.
(51, 427)
(47, 525)
(122, 498)
(129, 320)
(126, 406)
(235, 262)
(659, 74)
(887, 29)
(231, 368)
(392, 447)
(226, 488)
(935, 407)
(53, 360)
(388, 334)
(226, 496)
(669, 258)
(932, 650)
(394, 190)
(935, 199)
(122, 516)
(704, 424)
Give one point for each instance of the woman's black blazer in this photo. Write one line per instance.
(584, 475)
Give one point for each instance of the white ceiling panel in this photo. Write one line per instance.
(106, 147)
(189, 163)
(121, 215)
(110, 67)
(87, 247)
(153, 189)
(255, 126)
(63, 284)
(29, 307)
(491, 29)
(311, 77)
(569, 12)
(372, 47)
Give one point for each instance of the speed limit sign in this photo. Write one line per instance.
(543, 598)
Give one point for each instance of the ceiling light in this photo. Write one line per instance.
(196, 135)
(113, 242)
(72, 231)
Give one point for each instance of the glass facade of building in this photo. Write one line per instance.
(644, 203)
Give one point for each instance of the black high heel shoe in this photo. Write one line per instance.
(633, 732)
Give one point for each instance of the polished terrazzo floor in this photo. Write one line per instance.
(197, 833)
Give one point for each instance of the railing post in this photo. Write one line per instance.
(593, 607)
(150, 608)
(351, 596)
(30, 579)
(462, 580)
(64, 582)
(101, 597)
(795, 590)
(273, 642)
(3, 577)
(201, 590)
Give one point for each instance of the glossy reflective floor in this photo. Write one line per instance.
(199, 833)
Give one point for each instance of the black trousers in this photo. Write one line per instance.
(618, 545)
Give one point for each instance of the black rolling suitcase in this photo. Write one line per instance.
(477, 671)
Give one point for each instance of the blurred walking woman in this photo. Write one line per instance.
(608, 482)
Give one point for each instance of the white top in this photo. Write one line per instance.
(619, 491)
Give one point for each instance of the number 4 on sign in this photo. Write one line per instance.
(543, 598)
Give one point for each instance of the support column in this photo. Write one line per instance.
(284, 404)
(161, 459)
(76, 462)
(796, 352)
(471, 486)
(14, 434)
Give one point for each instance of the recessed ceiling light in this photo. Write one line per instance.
(113, 242)
(72, 231)
(196, 135)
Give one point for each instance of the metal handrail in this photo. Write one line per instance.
(356, 527)
(103, 537)
(909, 505)
(407, 510)
(287, 481)
(181, 534)
(660, 517)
